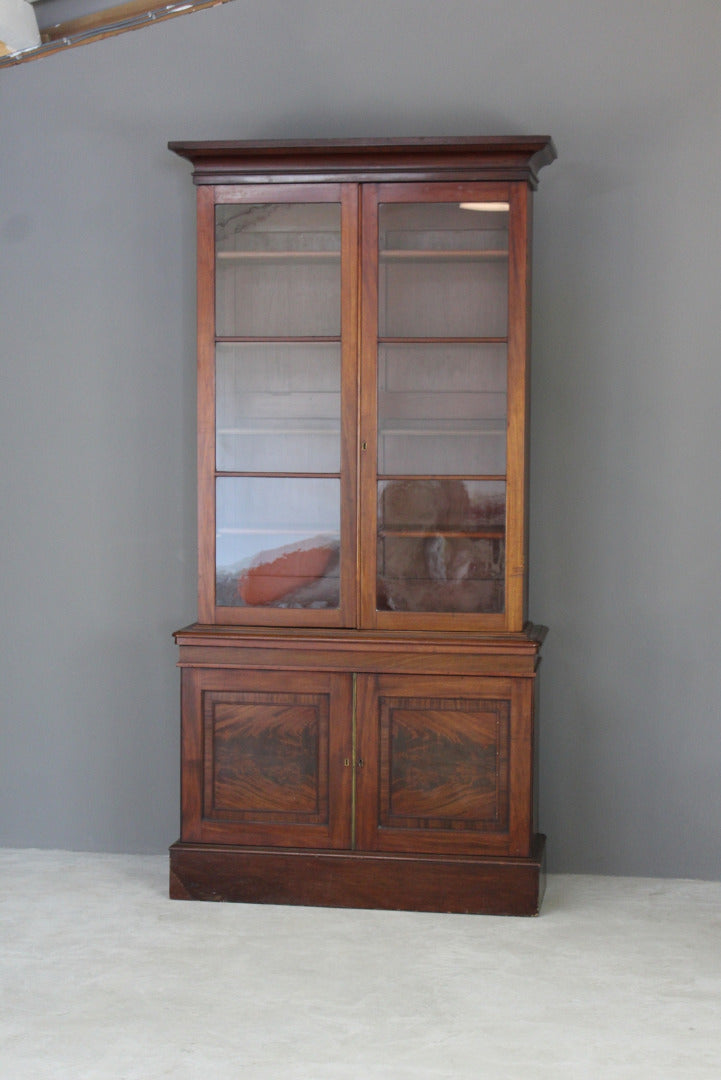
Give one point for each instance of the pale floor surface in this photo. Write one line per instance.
(102, 976)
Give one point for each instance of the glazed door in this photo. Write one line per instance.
(444, 764)
(277, 403)
(444, 406)
(267, 758)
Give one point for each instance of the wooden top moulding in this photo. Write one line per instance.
(495, 157)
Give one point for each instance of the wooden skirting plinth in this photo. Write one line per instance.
(480, 885)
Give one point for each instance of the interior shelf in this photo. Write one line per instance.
(442, 255)
(280, 428)
(391, 254)
(490, 532)
(433, 428)
(274, 256)
(268, 531)
(440, 340)
(494, 478)
(298, 339)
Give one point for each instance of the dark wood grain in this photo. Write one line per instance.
(266, 758)
(444, 764)
(490, 886)
(445, 748)
(489, 157)
(361, 650)
(266, 765)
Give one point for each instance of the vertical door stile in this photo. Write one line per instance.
(368, 396)
(340, 742)
(206, 403)
(516, 466)
(521, 767)
(350, 307)
(191, 787)
(354, 753)
(360, 307)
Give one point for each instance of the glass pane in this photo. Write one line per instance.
(443, 270)
(278, 407)
(277, 270)
(442, 409)
(441, 545)
(277, 542)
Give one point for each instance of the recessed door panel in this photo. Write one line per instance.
(266, 757)
(444, 763)
(441, 763)
(270, 764)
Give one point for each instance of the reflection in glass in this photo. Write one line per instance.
(277, 542)
(441, 545)
(278, 407)
(277, 269)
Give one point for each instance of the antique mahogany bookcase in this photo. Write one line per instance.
(358, 695)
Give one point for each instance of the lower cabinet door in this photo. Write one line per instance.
(444, 764)
(266, 757)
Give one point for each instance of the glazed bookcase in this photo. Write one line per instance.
(358, 694)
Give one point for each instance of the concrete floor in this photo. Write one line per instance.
(102, 976)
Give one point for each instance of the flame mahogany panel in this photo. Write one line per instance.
(444, 764)
(264, 757)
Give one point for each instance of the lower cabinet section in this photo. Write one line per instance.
(316, 771)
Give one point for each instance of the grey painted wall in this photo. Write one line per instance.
(97, 548)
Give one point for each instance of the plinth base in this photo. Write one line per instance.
(489, 885)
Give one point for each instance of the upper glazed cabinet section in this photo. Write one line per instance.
(363, 362)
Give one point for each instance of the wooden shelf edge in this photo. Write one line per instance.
(528, 640)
